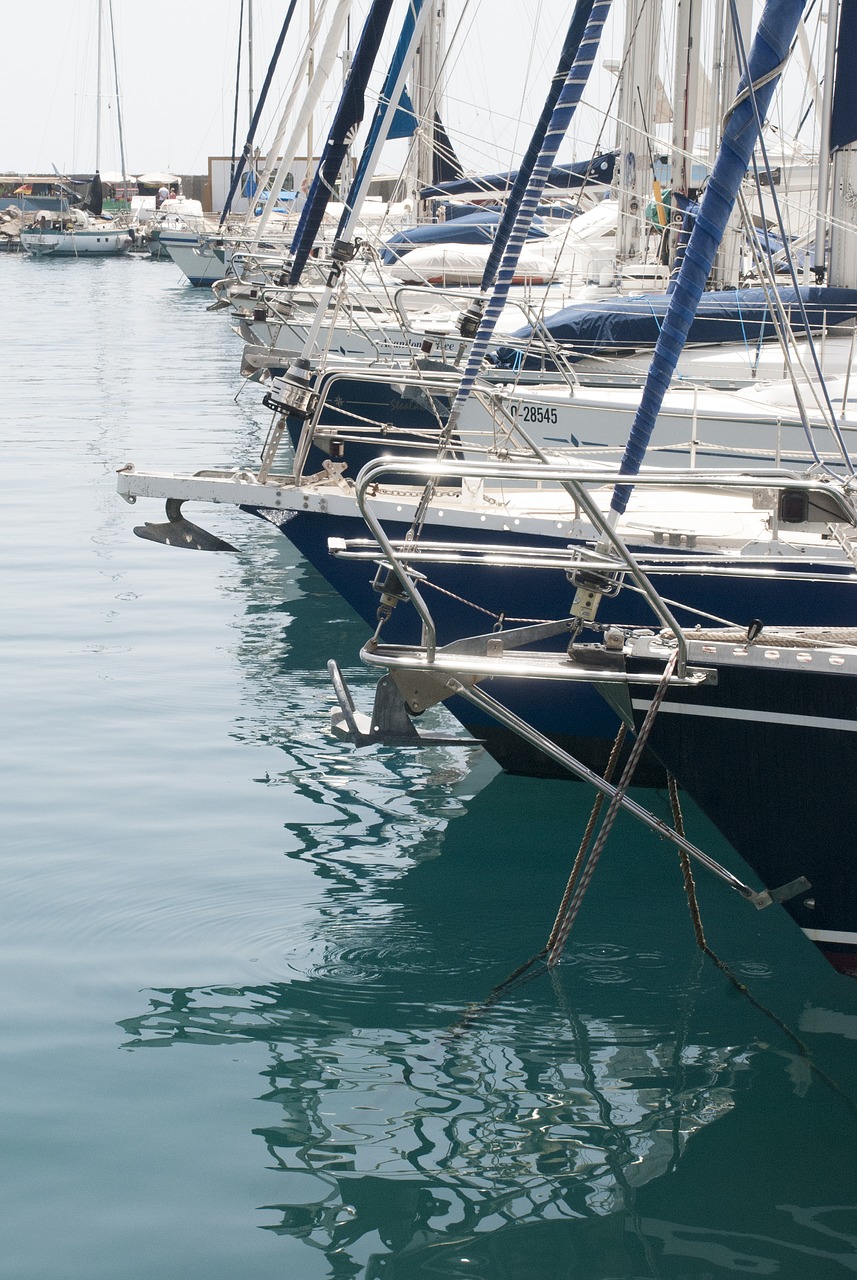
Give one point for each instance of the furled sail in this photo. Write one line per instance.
(95, 196)
(843, 116)
(446, 166)
(562, 177)
(349, 115)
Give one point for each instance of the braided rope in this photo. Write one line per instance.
(612, 813)
(587, 836)
(793, 638)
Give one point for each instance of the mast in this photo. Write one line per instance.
(638, 114)
(843, 146)
(303, 119)
(726, 272)
(310, 75)
(427, 98)
(250, 61)
(820, 267)
(345, 58)
(119, 124)
(98, 91)
(685, 110)
(246, 158)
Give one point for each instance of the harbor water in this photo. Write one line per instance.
(246, 1025)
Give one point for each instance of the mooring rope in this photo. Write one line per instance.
(561, 934)
(693, 904)
(527, 971)
(584, 843)
(788, 638)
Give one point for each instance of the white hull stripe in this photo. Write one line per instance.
(738, 713)
(831, 935)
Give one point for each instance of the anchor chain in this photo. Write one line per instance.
(584, 843)
(562, 932)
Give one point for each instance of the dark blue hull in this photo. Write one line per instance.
(770, 755)
(465, 601)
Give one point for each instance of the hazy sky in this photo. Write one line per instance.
(177, 61)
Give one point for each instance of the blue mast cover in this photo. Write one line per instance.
(564, 177)
(769, 52)
(406, 122)
(615, 325)
(478, 227)
(843, 116)
(349, 115)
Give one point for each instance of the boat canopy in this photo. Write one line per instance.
(471, 228)
(730, 315)
(158, 179)
(562, 177)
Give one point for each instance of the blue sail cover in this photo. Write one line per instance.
(618, 325)
(843, 116)
(445, 164)
(562, 177)
(767, 56)
(349, 115)
(405, 120)
(404, 123)
(472, 228)
(254, 123)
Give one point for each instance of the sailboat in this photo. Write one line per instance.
(757, 723)
(508, 540)
(79, 230)
(728, 560)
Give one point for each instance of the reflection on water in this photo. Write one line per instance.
(399, 1141)
(521, 1148)
(549, 1134)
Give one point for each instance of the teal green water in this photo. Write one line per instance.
(242, 966)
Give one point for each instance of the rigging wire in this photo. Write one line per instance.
(237, 90)
(750, 92)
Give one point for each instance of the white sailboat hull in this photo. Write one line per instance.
(76, 244)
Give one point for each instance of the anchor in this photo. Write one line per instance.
(179, 532)
(389, 725)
